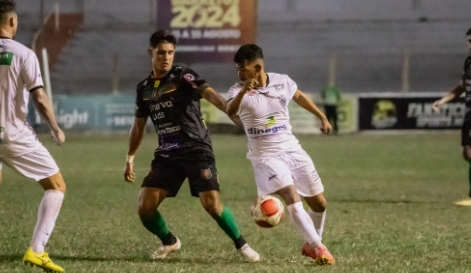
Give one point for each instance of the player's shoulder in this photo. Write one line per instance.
(236, 87)
(143, 84)
(17, 48)
(278, 78)
(467, 61)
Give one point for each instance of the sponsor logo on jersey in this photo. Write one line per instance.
(271, 121)
(168, 130)
(168, 146)
(206, 174)
(160, 105)
(267, 131)
(6, 58)
(156, 84)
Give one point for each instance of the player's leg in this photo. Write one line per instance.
(40, 166)
(309, 185)
(1, 173)
(163, 180)
(466, 153)
(317, 210)
(335, 118)
(203, 179)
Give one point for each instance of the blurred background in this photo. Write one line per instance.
(363, 46)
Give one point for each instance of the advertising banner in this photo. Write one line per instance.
(411, 111)
(208, 30)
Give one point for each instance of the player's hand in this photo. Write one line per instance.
(58, 136)
(326, 128)
(129, 174)
(436, 106)
(250, 84)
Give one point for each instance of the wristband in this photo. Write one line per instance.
(129, 158)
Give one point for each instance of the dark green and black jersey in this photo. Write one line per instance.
(467, 86)
(173, 104)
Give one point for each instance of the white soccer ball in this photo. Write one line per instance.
(268, 211)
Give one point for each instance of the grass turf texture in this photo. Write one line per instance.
(390, 209)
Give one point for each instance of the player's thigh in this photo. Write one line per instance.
(466, 139)
(306, 178)
(37, 165)
(202, 176)
(164, 174)
(271, 175)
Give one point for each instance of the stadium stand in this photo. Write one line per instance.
(297, 37)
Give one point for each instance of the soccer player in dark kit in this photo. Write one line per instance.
(463, 87)
(171, 95)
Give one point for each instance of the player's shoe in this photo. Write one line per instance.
(463, 203)
(249, 254)
(41, 260)
(164, 250)
(320, 254)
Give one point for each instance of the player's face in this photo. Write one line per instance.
(246, 70)
(162, 57)
(468, 38)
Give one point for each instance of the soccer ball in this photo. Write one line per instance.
(268, 211)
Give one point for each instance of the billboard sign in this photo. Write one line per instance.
(406, 112)
(208, 30)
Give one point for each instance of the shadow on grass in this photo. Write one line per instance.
(139, 259)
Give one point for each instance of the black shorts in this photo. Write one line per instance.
(466, 133)
(169, 171)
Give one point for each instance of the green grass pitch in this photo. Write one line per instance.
(389, 209)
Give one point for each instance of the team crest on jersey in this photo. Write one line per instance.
(279, 87)
(189, 77)
(206, 174)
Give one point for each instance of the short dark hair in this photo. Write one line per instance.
(161, 36)
(6, 6)
(468, 32)
(248, 52)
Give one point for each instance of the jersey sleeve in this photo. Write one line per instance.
(192, 79)
(142, 110)
(233, 91)
(31, 73)
(291, 87)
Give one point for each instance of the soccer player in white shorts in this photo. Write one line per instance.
(20, 78)
(280, 165)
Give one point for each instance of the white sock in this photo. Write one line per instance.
(47, 215)
(318, 218)
(303, 223)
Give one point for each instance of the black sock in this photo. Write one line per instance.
(168, 239)
(239, 242)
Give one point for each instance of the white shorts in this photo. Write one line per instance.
(37, 164)
(289, 168)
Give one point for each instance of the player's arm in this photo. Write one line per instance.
(302, 100)
(233, 105)
(44, 107)
(453, 94)
(135, 138)
(217, 100)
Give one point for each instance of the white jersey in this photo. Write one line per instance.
(19, 74)
(265, 116)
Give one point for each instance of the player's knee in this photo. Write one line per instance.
(145, 212)
(320, 205)
(54, 182)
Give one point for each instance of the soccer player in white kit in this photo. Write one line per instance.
(20, 78)
(280, 165)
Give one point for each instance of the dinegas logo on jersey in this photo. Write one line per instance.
(274, 130)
